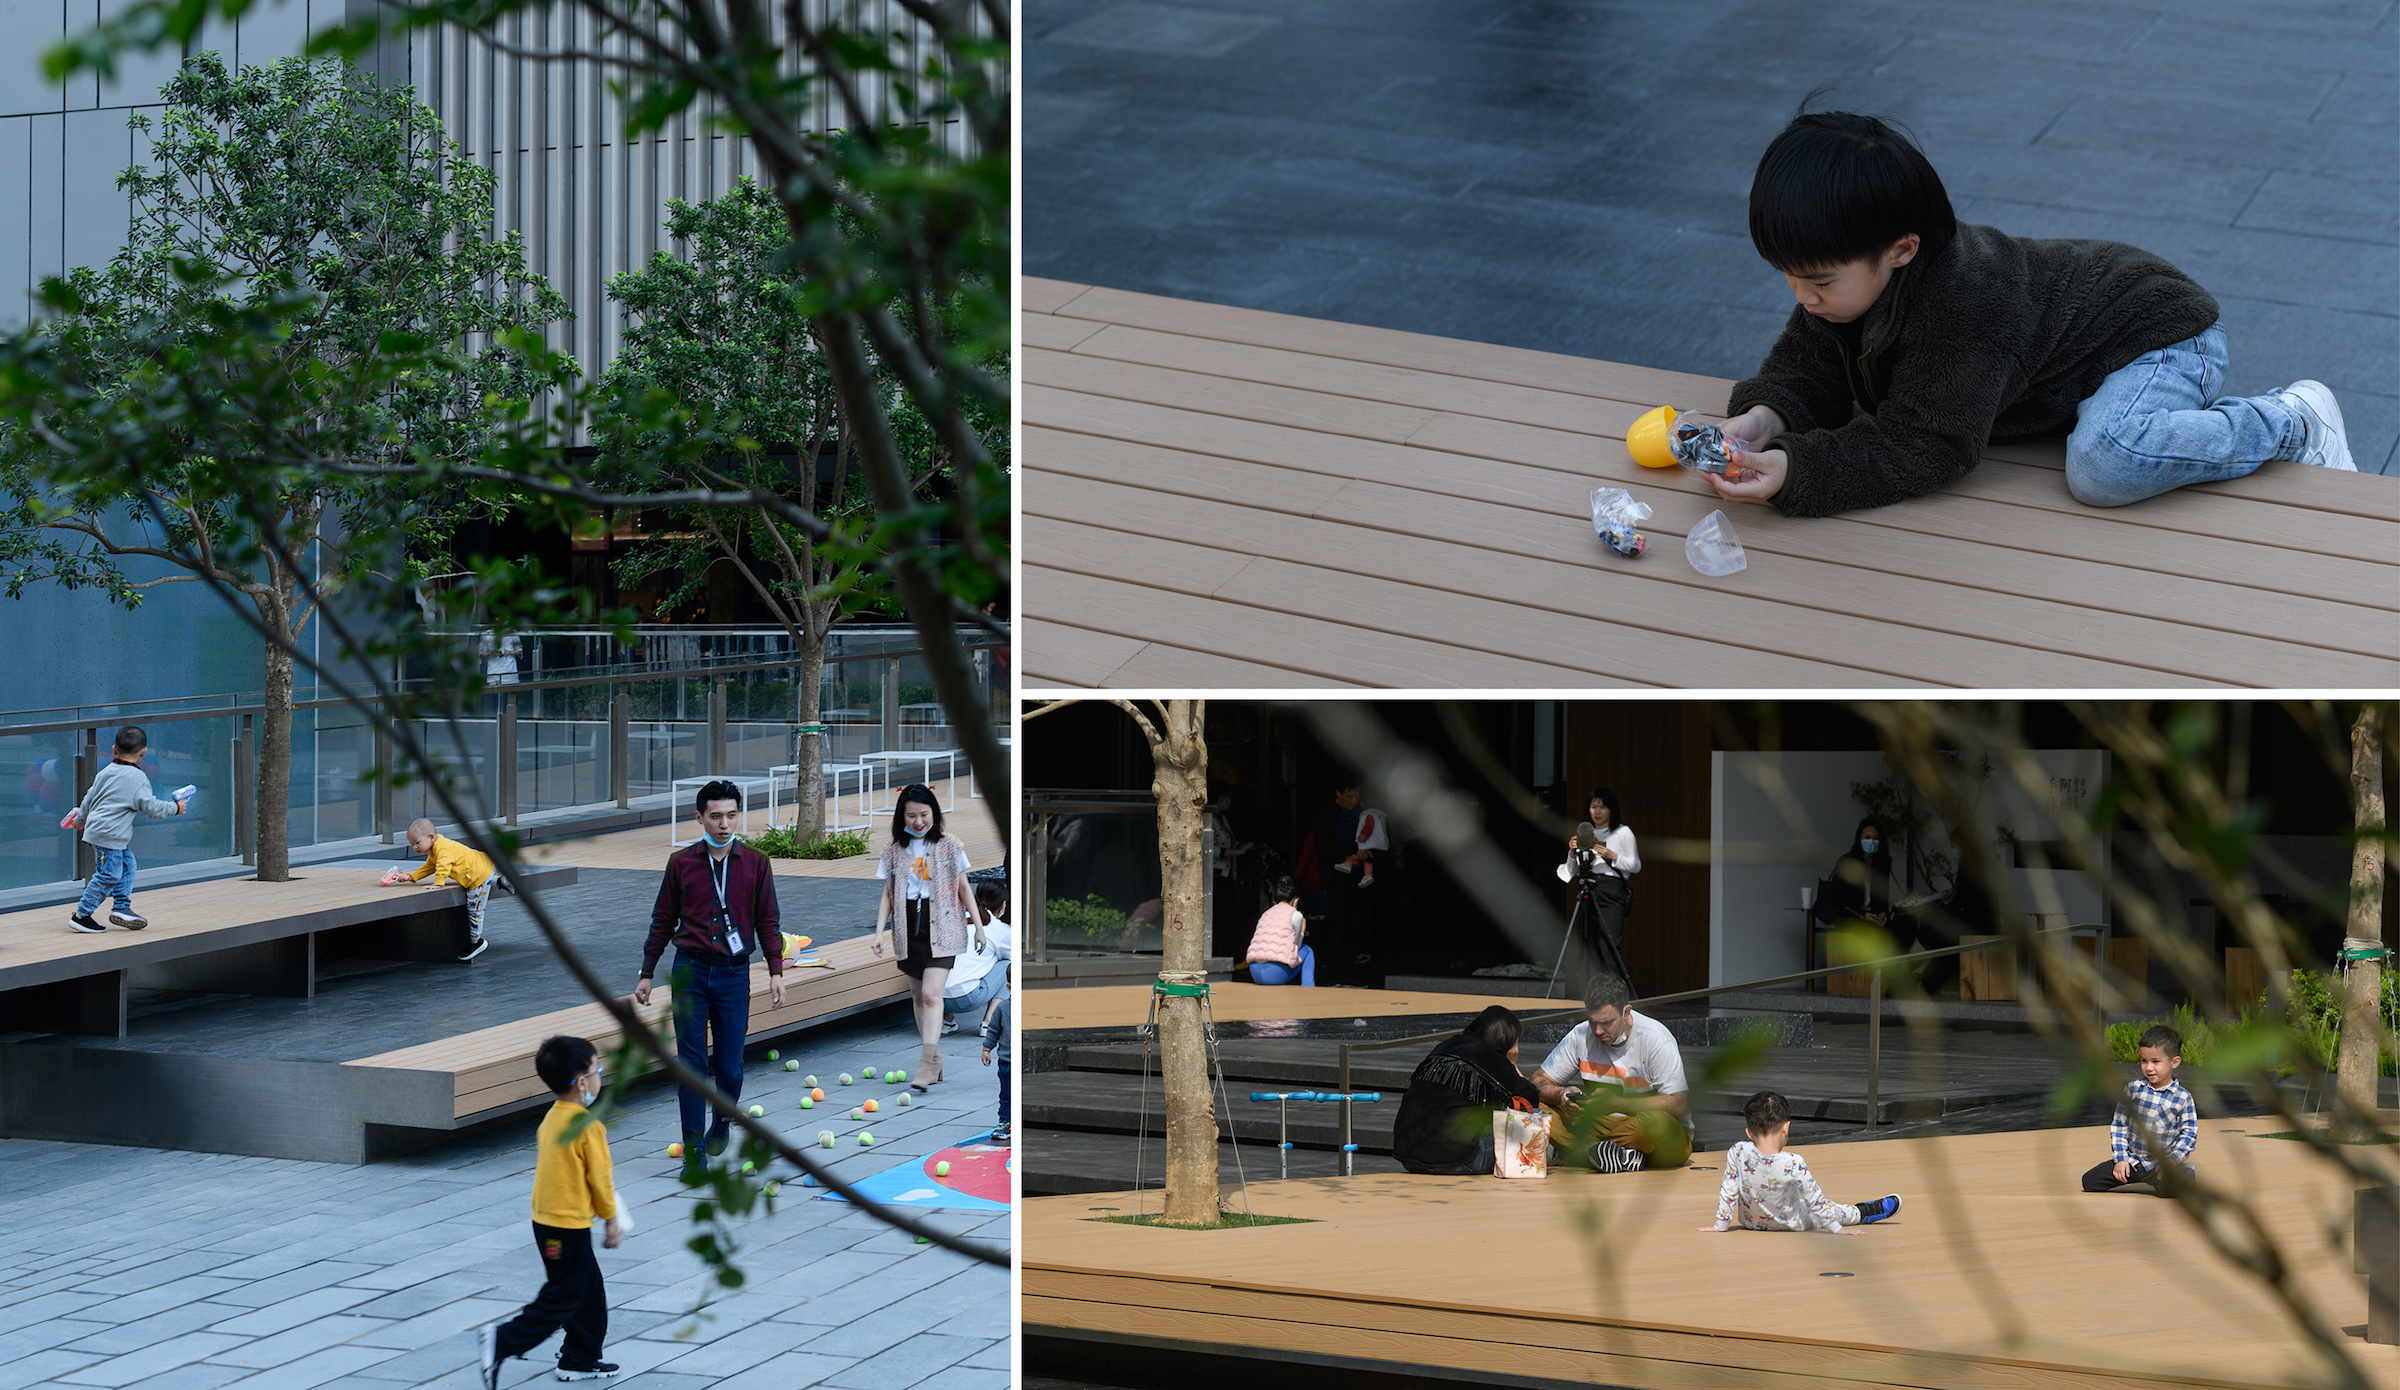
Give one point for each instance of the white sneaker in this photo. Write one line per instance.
(130, 921)
(2328, 445)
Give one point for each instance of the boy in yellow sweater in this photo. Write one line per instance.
(446, 860)
(572, 1183)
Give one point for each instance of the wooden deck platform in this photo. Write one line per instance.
(1124, 1006)
(1231, 499)
(228, 935)
(1999, 1274)
(490, 1070)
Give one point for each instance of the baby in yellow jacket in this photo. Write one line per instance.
(446, 860)
(573, 1183)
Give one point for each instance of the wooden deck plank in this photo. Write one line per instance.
(2294, 486)
(1123, 1006)
(1547, 471)
(1039, 296)
(1233, 420)
(2231, 648)
(1058, 654)
(1416, 574)
(1164, 667)
(1985, 1279)
(1312, 645)
(1045, 331)
(1579, 649)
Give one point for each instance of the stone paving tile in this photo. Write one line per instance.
(135, 1367)
(963, 1377)
(907, 1363)
(278, 1275)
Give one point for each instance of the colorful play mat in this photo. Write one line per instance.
(978, 1180)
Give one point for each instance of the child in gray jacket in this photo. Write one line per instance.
(106, 815)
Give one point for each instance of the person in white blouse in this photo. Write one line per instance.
(1611, 864)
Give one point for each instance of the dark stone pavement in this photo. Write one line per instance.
(1574, 176)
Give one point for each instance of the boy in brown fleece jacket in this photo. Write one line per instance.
(1919, 339)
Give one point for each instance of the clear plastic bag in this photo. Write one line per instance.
(1614, 516)
(1713, 549)
(1704, 449)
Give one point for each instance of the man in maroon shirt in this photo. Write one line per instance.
(717, 904)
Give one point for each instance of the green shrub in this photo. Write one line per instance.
(2313, 1021)
(1092, 917)
(783, 842)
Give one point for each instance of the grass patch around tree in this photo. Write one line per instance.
(1226, 1220)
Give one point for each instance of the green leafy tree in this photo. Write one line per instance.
(721, 332)
(299, 237)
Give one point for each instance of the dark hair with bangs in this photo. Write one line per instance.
(1837, 187)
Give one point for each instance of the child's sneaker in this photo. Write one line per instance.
(1367, 879)
(129, 919)
(475, 947)
(2328, 444)
(1000, 1135)
(1608, 1157)
(598, 1370)
(490, 1356)
(82, 922)
(1345, 867)
(1881, 1209)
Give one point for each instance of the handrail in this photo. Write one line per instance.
(510, 688)
(1876, 968)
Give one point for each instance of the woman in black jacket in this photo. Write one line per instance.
(1445, 1120)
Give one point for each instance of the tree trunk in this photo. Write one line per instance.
(2360, 1064)
(275, 768)
(1179, 781)
(808, 820)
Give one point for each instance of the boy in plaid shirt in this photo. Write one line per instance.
(2166, 1109)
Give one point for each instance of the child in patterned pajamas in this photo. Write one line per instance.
(1768, 1188)
(2165, 1106)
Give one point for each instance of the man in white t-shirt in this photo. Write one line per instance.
(1619, 1080)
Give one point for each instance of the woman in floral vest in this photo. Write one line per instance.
(931, 908)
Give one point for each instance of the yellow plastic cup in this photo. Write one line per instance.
(1648, 440)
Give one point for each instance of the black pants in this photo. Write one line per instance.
(1604, 920)
(2103, 1177)
(572, 1297)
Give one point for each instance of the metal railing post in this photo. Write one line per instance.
(245, 796)
(620, 746)
(891, 705)
(716, 728)
(382, 797)
(1874, 1045)
(507, 754)
(87, 769)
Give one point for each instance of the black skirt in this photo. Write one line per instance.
(919, 957)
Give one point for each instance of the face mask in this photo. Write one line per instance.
(914, 834)
(1870, 846)
(599, 1084)
(713, 842)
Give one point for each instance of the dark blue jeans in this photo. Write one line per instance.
(1004, 1090)
(715, 998)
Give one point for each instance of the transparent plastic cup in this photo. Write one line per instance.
(1713, 549)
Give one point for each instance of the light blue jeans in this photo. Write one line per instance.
(985, 991)
(1267, 972)
(113, 876)
(2157, 424)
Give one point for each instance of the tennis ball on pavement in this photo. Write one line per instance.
(942, 1169)
(791, 1066)
(921, 1240)
(816, 1093)
(758, 1112)
(749, 1167)
(904, 1100)
(809, 1081)
(773, 1055)
(845, 1078)
(891, 1076)
(857, 1114)
(825, 1137)
(869, 1107)
(674, 1150)
(807, 1181)
(900, 1075)
(807, 1104)
(773, 1188)
(866, 1140)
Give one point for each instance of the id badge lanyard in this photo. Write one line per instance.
(732, 929)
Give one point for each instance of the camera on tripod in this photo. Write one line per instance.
(1588, 863)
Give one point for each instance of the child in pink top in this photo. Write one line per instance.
(1276, 953)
